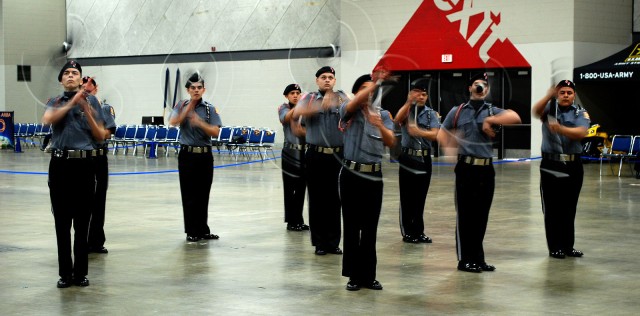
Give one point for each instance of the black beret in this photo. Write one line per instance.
(566, 83)
(324, 70)
(421, 84)
(291, 87)
(70, 64)
(193, 79)
(359, 82)
(479, 76)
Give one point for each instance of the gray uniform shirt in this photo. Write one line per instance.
(322, 128)
(474, 141)
(289, 136)
(109, 122)
(194, 136)
(363, 141)
(73, 131)
(426, 118)
(570, 116)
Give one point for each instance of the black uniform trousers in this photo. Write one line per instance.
(361, 197)
(71, 188)
(414, 180)
(474, 193)
(96, 226)
(294, 185)
(324, 201)
(559, 201)
(196, 176)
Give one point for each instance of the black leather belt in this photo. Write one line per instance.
(324, 150)
(362, 167)
(416, 152)
(475, 161)
(294, 146)
(196, 149)
(77, 154)
(561, 157)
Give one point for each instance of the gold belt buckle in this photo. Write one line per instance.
(197, 150)
(327, 150)
(565, 157)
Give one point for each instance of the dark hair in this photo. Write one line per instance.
(193, 79)
(86, 79)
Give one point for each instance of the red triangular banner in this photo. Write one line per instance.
(441, 36)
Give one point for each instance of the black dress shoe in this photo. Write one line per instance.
(335, 251)
(352, 285)
(83, 281)
(210, 236)
(558, 254)
(574, 253)
(304, 226)
(98, 250)
(424, 239)
(469, 267)
(320, 252)
(487, 267)
(64, 282)
(192, 238)
(294, 227)
(410, 239)
(373, 285)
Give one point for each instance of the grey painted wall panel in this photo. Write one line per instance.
(129, 27)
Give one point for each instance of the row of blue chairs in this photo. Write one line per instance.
(235, 140)
(238, 141)
(623, 147)
(246, 141)
(30, 132)
(134, 136)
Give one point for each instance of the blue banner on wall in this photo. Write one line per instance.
(6, 130)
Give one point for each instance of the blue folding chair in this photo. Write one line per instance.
(620, 148)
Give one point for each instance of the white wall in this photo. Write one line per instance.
(33, 32)
(244, 92)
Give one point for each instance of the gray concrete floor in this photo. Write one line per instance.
(259, 268)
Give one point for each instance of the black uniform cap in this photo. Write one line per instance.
(566, 83)
(291, 87)
(193, 79)
(479, 76)
(325, 69)
(359, 82)
(70, 64)
(421, 84)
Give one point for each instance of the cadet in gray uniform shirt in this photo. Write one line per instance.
(564, 125)
(97, 237)
(469, 128)
(420, 125)
(293, 179)
(320, 116)
(199, 121)
(77, 124)
(367, 129)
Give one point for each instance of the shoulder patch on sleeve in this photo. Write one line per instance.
(585, 114)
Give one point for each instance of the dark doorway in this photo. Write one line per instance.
(510, 89)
